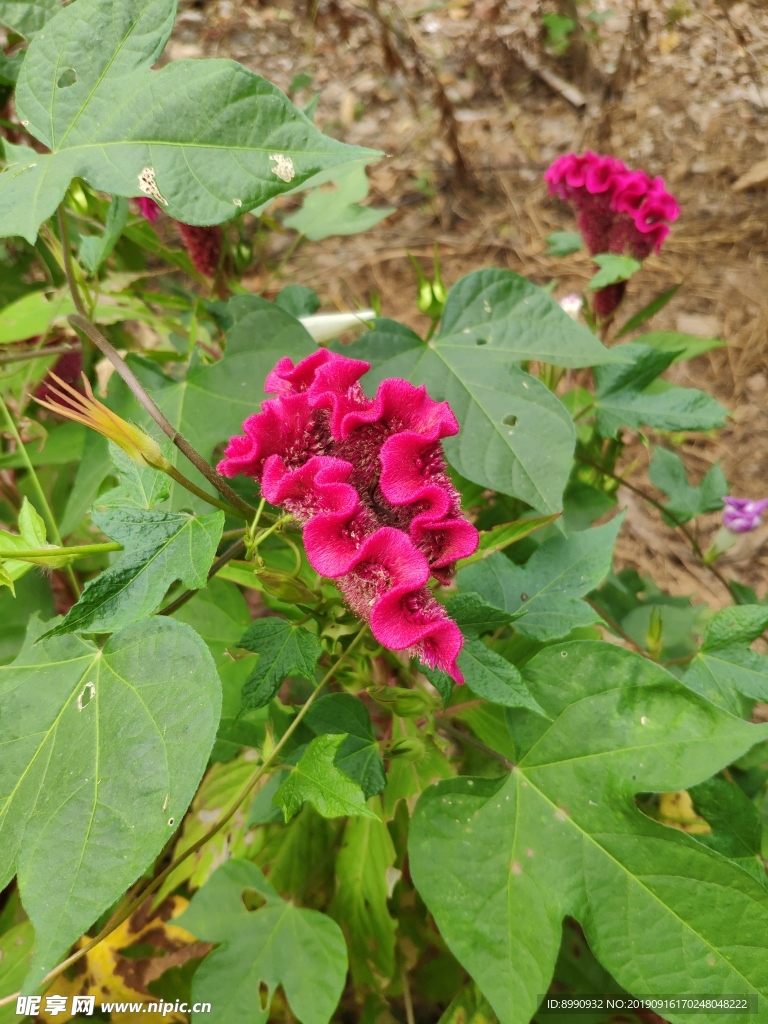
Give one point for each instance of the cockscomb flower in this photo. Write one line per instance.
(148, 208)
(741, 515)
(203, 245)
(367, 480)
(84, 408)
(618, 210)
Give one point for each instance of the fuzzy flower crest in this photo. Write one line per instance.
(619, 210)
(741, 515)
(367, 479)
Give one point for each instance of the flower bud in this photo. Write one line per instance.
(285, 588)
(407, 749)
(402, 702)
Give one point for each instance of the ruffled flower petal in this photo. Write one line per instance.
(367, 478)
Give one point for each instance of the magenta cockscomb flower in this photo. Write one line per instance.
(618, 210)
(367, 479)
(741, 515)
(148, 208)
(203, 245)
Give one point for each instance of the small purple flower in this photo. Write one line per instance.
(741, 515)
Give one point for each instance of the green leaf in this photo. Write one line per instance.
(16, 950)
(494, 678)
(563, 243)
(358, 756)
(278, 945)
(219, 614)
(317, 780)
(544, 594)
(363, 864)
(726, 669)
(667, 472)
(613, 269)
(475, 616)
(561, 835)
(684, 346)
(736, 829)
(160, 547)
(284, 649)
(104, 748)
(210, 404)
(502, 536)
(338, 211)
(623, 401)
(94, 249)
(298, 300)
(35, 313)
(237, 730)
(648, 311)
(27, 17)
(207, 138)
(33, 594)
(516, 437)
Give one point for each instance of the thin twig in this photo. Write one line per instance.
(125, 912)
(617, 628)
(466, 737)
(657, 504)
(83, 324)
(407, 1000)
(40, 353)
(232, 552)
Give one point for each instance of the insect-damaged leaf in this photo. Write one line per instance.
(561, 835)
(207, 139)
(278, 944)
(516, 436)
(103, 749)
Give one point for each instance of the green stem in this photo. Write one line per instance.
(76, 551)
(125, 911)
(45, 508)
(68, 265)
(281, 521)
(185, 482)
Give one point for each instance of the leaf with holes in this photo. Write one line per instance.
(544, 595)
(561, 836)
(207, 139)
(278, 944)
(103, 750)
(726, 670)
(516, 437)
(284, 649)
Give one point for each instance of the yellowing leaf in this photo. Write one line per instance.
(112, 976)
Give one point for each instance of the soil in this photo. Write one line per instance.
(456, 93)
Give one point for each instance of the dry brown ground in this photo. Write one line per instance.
(679, 88)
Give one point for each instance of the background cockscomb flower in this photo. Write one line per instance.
(203, 245)
(148, 208)
(618, 210)
(741, 515)
(367, 479)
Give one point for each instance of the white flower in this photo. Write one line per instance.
(571, 304)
